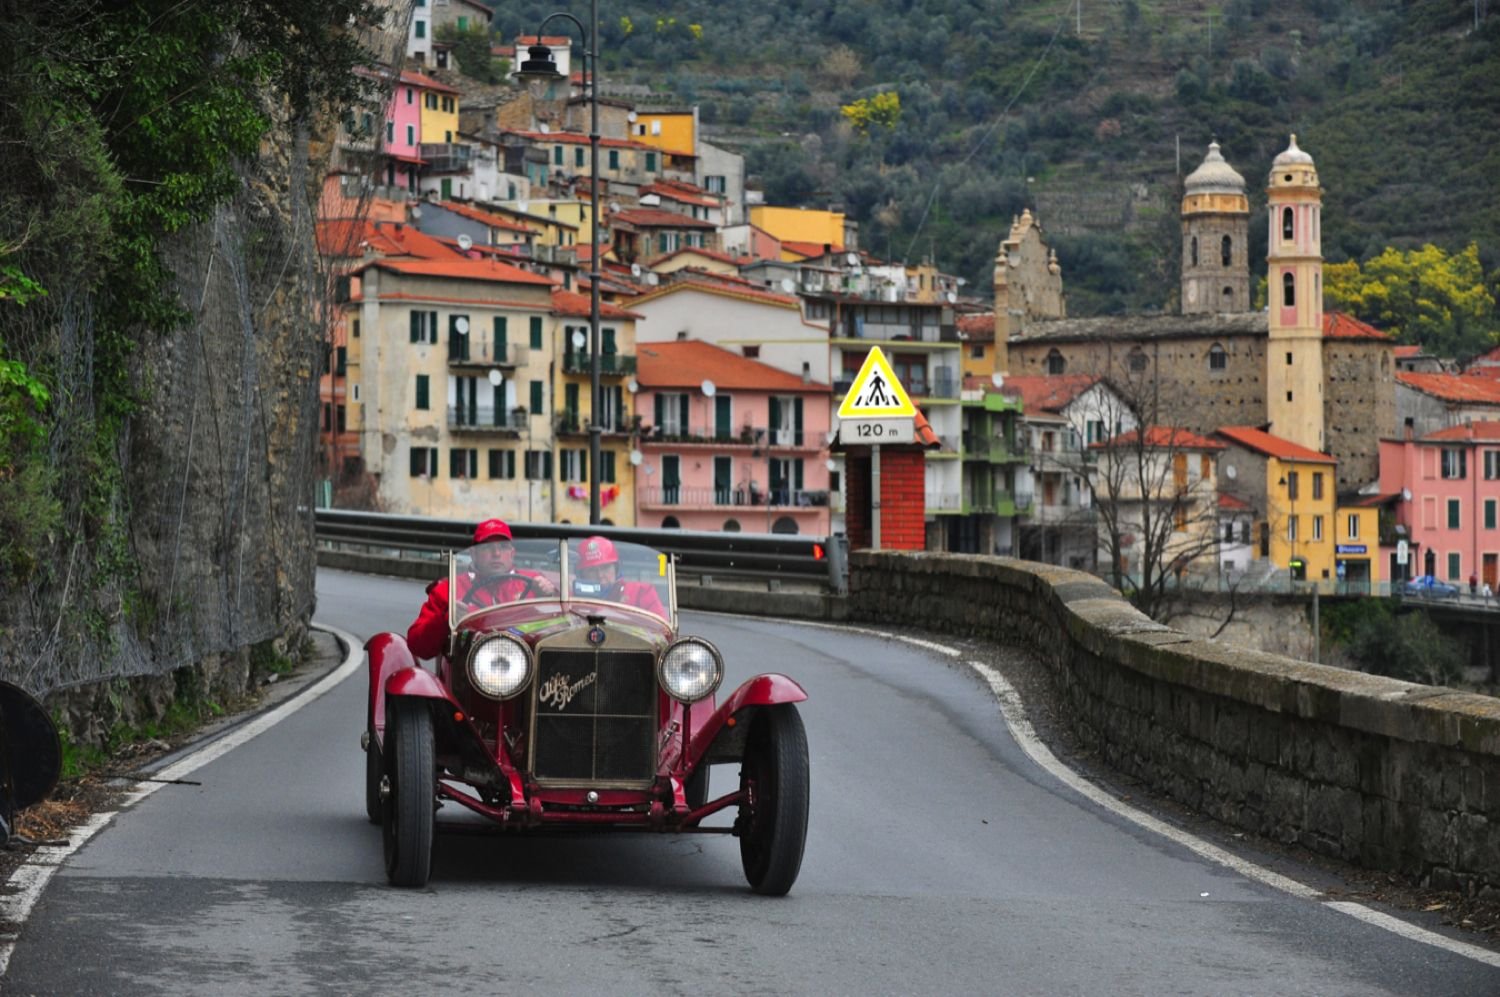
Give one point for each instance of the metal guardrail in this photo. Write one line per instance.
(821, 561)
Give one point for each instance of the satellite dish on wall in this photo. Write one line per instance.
(614, 207)
(1230, 472)
(997, 379)
(652, 279)
(465, 242)
(709, 388)
(461, 325)
(635, 458)
(543, 127)
(951, 297)
(832, 464)
(416, 211)
(496, 377)
(852, 259)
(635, 269)
(579, 339)
(788, 285)
(1406, 494)
(632, 386)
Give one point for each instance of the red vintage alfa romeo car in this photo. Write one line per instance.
(582, 707)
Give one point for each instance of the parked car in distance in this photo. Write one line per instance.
(580, 706)
(1428, 587)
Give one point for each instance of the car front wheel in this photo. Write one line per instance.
(772, 825)
(407, 812)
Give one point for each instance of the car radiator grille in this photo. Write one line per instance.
(595, 717)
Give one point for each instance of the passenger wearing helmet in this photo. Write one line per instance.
(493, 580)
(597, 577)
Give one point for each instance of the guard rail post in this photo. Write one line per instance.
(838, 564)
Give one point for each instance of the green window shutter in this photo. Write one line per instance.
(721, 417)
(1453, 514)
(797, 474)
(422, 395)
(416, 327)
(432, 467)
(607, 475)
(607, 340)
(578, 156)
(682, 412)
(418, 461)
(775, 413)
(570, 399)
(557, 155)
(500, 334)
(547, 464)
(536, 332)
(583, 465)
(1489, 514)
(614, 159)
(536, 397)
(661, 411)
(651, 162)
(797, 422)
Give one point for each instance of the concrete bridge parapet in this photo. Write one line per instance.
(1382, 773)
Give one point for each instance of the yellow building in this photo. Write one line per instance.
(439, 123)
(572, 381)
(674, 131)
(1357, 548)
(800, 225)
(1299, 531)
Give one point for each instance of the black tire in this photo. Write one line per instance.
(408, 813)
(372, 780)
(696, 790)
(773, 828)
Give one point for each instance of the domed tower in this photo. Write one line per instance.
(1294, 278)
(1215, 239)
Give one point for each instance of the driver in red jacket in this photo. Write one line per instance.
(598, 578)
(493, 580)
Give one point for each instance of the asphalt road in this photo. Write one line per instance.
(940, 859)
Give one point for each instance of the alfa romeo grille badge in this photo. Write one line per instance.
(596, 636)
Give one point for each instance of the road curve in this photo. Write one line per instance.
(941, 858)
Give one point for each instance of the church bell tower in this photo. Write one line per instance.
(1215, 239)
(1294, 300)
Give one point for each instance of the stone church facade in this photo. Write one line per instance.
(1326, 382)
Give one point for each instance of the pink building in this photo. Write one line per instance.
(403, 133)
(1445, 491)
(729, 443)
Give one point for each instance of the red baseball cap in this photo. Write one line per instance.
(491, 529)
(597, 551)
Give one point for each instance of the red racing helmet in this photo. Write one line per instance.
(491, 529)
(596, 552)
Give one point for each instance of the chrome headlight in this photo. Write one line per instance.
(691, 669)
(499, 666)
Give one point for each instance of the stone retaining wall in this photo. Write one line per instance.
(1385, 774)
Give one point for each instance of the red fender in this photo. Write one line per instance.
(721, 736)
(394, 672)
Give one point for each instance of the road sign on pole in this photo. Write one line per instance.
(1403, 552)
(877, 408)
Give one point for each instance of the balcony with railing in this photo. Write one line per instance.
(680, 497)
(610, 364)
(486, 419)
(616, 423)
(479, 351)
(442, 157)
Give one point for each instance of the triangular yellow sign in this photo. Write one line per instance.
(876, 393)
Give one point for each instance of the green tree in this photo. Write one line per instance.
(882, 110)
(1407, 646)
(1424, 296)
(472, 49)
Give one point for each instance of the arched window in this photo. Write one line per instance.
(1226, 250)
(731, 526)
(786, 524)
(671, 523)
(1286, 223)
(1193, 252)
(1055, 363)
(606, 521)
(1217, 358)
(1137, 359)
(1288, 290)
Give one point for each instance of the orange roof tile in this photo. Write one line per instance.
(696, 283)
(657, 218)
(485, 217)
(1337, 325)
(712, 254)
(977, 326)
(350, 238)
(808, 249)
(1469, 431)
(1229, 503)
(1047, 392)
(1453, 387)
(1403, 352)
(688, 363)
(575, 305)
(461, 269)
(701, 198)
(1166, 437)
(426, 82)
(1274, 446)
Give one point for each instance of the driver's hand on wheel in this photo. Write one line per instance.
(543, 586)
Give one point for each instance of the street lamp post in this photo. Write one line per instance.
(541, 68)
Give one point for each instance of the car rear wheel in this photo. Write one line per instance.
(372, 778)
(772, 825)
(407, 813)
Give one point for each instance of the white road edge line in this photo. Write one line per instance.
(1013, 711)
(30, 879)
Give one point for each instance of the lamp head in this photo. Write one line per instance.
(539, 66)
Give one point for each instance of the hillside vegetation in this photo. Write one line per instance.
(1076, 109)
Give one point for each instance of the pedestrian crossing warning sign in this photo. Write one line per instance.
(876, 393)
